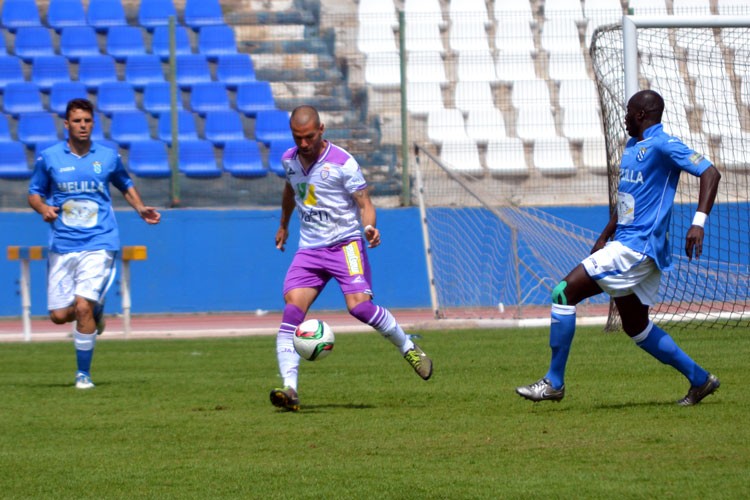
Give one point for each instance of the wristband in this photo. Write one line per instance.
(369, 226)
(699, 219)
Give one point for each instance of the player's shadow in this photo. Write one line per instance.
(634, 404)
(336, 406)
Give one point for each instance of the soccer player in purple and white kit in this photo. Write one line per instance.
(327, 187)
(70, 190)
(629, 267)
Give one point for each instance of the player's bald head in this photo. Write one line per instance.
(648, 101)
(304, 115)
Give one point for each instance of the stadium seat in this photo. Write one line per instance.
(560, 34)
(157, 98)
(13, 164)
(128, 126)
(468, 35)
(142, 70)
(36, 127)
(125, 41)
(424, 11)
(192, 69)
(77, 42)
(471, 95)
(223, 126)
(200, 13)
(160, 42)
(235, 69)
(155, 13)
(594, 154)
(514, 34)
(103, 15)
(149, 159)
(486, 124)
(511, 66)
(62, 92)
(425, 67)
(733, 153)
(446, 125)
(196, 159)
(22, 97)
(19, 14)
(534, 122)
(477, 66)
(48, 70)
(114, 97)
(97, 133)
(5, 134)
(11, 70)
(95, 70)
(373, 37)
(377, 12)
(272, 125)
(208, 97)
(253, 97)
(185, 126)
(512, 8)
(552, 156)
(64, 13)
(423, 97)
(567, 65)
(242, 159)
(3, 45)
(383, 70)
(424, 37)
(276, 150)
(506, 157)
(580, 122)
(33, 42)
(578, 93)
(461, 155)
(216, 41)
(41, 146)
(564, 9)
(530, 93)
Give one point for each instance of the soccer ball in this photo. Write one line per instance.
(313, 339)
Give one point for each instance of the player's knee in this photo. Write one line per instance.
(558, 294)
(58, 317)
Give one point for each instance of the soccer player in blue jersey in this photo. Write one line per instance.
(70, 190)
(327, 187)
(629, 267)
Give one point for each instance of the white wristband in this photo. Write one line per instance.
(369, 226)
(699, 219)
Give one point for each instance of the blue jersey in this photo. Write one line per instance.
(649, 173)
(79, 186)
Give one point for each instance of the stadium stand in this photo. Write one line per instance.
(33, 41)
(446, 125)
(160, 42)
(215, 41)
(36, 127)
(48, 70)
(5, 135)
(77, 42)
(95, 70)
(64, 13)
(423, 97)
(19, 14)
(484, 125)
(196, 159)
(125, 41)
(157, 98)
(155, 13)
(208, 97)
(103, 15)
(192, 69)
(114, 97)
(222, 126)
(144, 69)
(276, 150)
(128, 126)
(13, 163)
(149, 159)
(552, 156)
(461, 155)
(201, 13)
(505, 157)
(234, 70)
(11, 70)
(22, 97)
(253, 97)
(242, 159)
(272, 125)
(186, 128)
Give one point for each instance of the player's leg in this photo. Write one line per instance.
(659, 344)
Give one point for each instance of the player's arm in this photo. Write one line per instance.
(368, 216)
(40, 184)
(48, 212)
(607, 232)
(709, 186)
(148, 214)
(287, 208)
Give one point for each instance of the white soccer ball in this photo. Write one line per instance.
(313, 339)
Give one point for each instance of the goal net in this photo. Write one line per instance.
(702, 70)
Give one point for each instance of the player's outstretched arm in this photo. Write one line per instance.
(709, 186)
(148, 214)
(368, 217)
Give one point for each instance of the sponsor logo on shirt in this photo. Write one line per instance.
(631, 176)
(696, 158)
(68, 169)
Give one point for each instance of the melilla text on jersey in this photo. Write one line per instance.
(631, 176)
(81, 187)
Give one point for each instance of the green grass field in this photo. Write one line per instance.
(191, 419)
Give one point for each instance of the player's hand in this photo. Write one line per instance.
(281, 236)
(49, 214)
(150, 215)
(372, 235)
(694, 242)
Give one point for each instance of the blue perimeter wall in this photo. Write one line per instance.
(226, 260)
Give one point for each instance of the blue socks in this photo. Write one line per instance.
(561, 333)
(84, 344)
(660, 345)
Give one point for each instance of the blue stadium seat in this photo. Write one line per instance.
(114, 97)
(62, 92)
(160, 42)
(77, 42)
(125, 41)
(110, 144)
(275, 151)
(215, 41)
(97, 133)
(19, 14)
(235, 69)
(128, 126)
(22, 97)
(149, 159)
(13, 164)
(142, 70)
(200, 13)
(196, 159)
(208, 97)
(271, 126)
(95, 70)
(41, 146)
(36, 127)
(155, 13)
(242, 158)
(253, 97)
(11, 70)
(64, 13)
(33, 42)
(5, 134)
(3, 45)
(192, 69)
(157, 98)
(223, 126)
(103, 15)
(185, 127)
(48, 70)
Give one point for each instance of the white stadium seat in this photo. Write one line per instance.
(569, 65)
(446, 125)
(578, 93)
(423, 37)
(515, 65)
(476, 66)
(594, 154)
(535, 122)
(375, 37)
(425, 67)
(530, 93)
(473, 95)
(560, 34)
(461, 156)
(423, 97)
(468, 36)
(552, 156)
(581, 122)
(383, 69)
(514, 35)
(485, 125)
(505, 156)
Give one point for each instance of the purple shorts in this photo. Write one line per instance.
(346, 262)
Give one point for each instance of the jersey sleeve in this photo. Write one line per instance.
(353, 178)
(120, 177)
(685, 158)
(40, 179)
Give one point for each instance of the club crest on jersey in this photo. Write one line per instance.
(325, 173)
(641, 154)
(97, 167)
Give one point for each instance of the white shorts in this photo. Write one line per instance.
(86, 274)
(620, 271)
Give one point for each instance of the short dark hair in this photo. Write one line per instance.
(79, 103)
